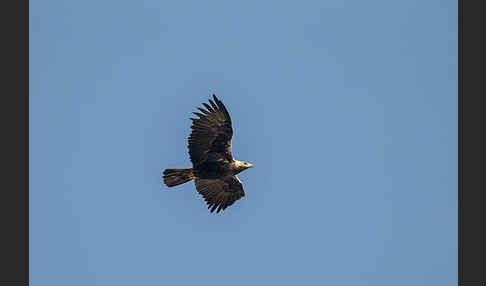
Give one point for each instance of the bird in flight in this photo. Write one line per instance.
(213, 168)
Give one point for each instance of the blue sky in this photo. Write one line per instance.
(348, 110)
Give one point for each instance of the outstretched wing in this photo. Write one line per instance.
(211, 133)
(220, 193)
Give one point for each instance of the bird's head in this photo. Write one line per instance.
(241, 166)
(248, 165)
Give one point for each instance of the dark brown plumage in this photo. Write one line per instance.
(213, 167)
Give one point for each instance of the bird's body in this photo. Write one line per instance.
(213, 167)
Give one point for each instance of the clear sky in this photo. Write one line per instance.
(347, 109)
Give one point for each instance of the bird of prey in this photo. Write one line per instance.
(213, 168)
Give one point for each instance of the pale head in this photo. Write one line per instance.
(241, 166)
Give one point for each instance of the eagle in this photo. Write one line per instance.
(213, 169)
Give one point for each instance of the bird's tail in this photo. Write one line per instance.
(174, 177)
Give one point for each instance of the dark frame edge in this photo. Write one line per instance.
(15, 126)
(471, 143)
(27, 118)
